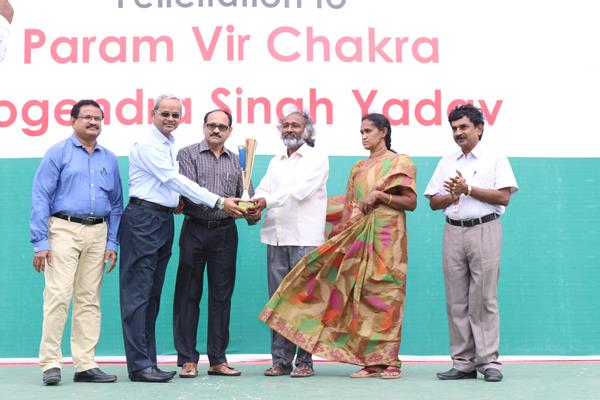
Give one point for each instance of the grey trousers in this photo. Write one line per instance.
(471, 258)
(280, 261)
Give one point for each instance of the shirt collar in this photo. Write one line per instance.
(77, 143)
(158, 136)
(476, 152)
(302, 151)
(203, 146)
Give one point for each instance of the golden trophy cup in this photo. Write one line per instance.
(247, 153)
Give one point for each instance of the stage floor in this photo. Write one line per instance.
(530, 381)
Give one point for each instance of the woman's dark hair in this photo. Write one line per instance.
(381, 122)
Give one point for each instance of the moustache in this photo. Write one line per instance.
(459, 137)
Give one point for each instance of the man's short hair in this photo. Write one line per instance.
(467, 110)
(82, 103)
(229, 117)
(166, 96)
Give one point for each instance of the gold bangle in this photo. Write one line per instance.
(389, 201)
(469, 189)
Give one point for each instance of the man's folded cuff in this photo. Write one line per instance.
(42, 245)
(111, 246)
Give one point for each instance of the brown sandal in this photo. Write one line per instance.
(223, 370)
(303, 370)
(277, 370)
(373, 371)
(189, 370)
(391, 372)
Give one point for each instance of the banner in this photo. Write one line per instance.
(529, 67)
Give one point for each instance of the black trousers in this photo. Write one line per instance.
(146, 241)
(199, 247)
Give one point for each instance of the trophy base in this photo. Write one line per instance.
(246, 204)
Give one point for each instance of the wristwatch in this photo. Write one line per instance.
(220, 203)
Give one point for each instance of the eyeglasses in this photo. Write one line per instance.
(166, 114)
(212, 127)
(88, 118)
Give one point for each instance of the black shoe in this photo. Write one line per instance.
(492, 375)
(51, 376)
(150, 374)
(453, 373)
(166, 373)
(94, 375)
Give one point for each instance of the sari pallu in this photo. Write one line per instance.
(344, 301)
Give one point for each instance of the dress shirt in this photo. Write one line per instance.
(4, 31)
(71, 181)
(222, 176)
(484, 168)
(295, 191)
(154, 174)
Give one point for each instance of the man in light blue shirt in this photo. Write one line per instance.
(147, 230)
(77, 203)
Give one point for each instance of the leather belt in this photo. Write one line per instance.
(211, 224)
(83, 221)
(467, 223)
(151, 205)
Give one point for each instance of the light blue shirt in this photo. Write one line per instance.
(71, 181)
(154, 174)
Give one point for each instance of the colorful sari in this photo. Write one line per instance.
(344, 301)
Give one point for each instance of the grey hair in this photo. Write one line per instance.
(167, 96)
(310, 132)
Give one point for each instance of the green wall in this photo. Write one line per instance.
(549, 281)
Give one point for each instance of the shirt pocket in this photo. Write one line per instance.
(106, 180)
(230, 182)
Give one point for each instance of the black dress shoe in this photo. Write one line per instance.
(492, 375)
(166, 373)
(453, 373)
(51, 376)
(150, 374)
(94, 375)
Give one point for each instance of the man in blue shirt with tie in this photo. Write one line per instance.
(77, 203)
(147, 230)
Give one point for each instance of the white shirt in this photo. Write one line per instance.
(154, 174)
(483, 168)
(4, 31)
(295, 191)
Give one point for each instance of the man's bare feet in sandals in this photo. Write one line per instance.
(303, 370)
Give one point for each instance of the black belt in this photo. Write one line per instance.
(83, 221)
(149, 204)
(467, 223)
(210, 224)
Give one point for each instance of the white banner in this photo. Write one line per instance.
(532, 67)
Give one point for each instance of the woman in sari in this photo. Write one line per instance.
(345, 300)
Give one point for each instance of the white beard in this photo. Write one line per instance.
(293, 143)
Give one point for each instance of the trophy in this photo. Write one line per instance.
(247, 153)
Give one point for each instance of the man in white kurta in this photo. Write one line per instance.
(294, 196)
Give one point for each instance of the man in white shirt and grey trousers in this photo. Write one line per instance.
(293, 192)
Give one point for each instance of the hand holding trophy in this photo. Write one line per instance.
(247, 153)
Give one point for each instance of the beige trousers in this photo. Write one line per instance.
(471, 269)
(77, 268)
